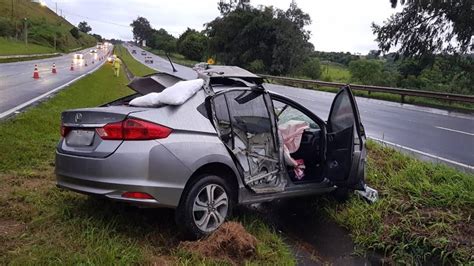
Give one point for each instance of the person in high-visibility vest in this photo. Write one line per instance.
(117, 63)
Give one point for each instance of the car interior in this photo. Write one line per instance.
(311, 147)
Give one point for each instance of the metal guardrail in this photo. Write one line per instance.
(399, 91)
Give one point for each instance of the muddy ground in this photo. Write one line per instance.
(313, 238)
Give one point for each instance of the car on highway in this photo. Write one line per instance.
(148, 60)
(93, 51)
(143, 53)
(78, 56)
(110, 59)
(233, 142)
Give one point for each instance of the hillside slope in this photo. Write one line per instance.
(43, 26)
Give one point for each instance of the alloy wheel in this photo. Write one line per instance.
(210, 207)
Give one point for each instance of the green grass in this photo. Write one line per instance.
(41, 224)
(334, 72)
(13, 47)
(137, 68)
(43, 25)
(424, 213)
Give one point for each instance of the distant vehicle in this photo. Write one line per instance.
(78, 56)
(100, 45)
(134, 51)
(221, 148)
(148, 60)
(143, 53)
(110, 59)
(93, 51)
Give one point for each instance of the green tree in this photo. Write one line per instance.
(84, 27)
(162, 40)
(274, 36)
(141, 29)
(426, 27)
(366, 71)
(192, 44)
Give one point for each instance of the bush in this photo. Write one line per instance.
(312, 68)
(7, 29)
(257, 66)
(75, 33)
(366, 71)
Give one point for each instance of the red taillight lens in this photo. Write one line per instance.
(137, 195)
(133, 129)
(64, 131)
(111, 131)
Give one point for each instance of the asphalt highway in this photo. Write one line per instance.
(17, 85)
(434, 132)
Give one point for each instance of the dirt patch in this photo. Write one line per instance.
(162, 261)
(9, 228)
(231, 242)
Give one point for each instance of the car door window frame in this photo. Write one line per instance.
(355, 113)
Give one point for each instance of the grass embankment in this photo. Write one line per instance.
(334, 72)
(137, 68)
(424, 214)
(41, 224)
(13, 47)
(44, 26)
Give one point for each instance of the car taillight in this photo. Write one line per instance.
(133, 129)
(64, 131)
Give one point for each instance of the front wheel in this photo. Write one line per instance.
(205, 206)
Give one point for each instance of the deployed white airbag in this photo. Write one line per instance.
(177, 94)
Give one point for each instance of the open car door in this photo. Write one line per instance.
(245, 123)
(345, 152)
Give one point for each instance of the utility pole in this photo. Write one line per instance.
(26, 31)
(55, 41)
(12, 9)
(56, 7)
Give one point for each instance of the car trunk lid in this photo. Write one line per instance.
(78, 128)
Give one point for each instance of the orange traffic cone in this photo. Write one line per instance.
(85, 63)
(36, 73)
(72, 67)
(92, 61)
(54, 69)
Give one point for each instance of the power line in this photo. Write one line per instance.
(96, 20)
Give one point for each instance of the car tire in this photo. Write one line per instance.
(197, 216)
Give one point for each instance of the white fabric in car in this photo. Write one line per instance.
(291, 133)
(177, 94)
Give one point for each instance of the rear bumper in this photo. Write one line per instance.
(145, 166)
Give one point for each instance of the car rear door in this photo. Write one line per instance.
(245, 123)
(346, 152)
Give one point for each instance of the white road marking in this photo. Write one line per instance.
(454, 130)
(468, 168)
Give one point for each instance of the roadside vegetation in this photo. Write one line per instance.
(13, 47)
(136, 68)
(44, 28)
(424, 214)
(41, 224)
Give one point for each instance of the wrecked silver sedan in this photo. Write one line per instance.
(231, 142)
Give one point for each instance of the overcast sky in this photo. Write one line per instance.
(337, 25)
